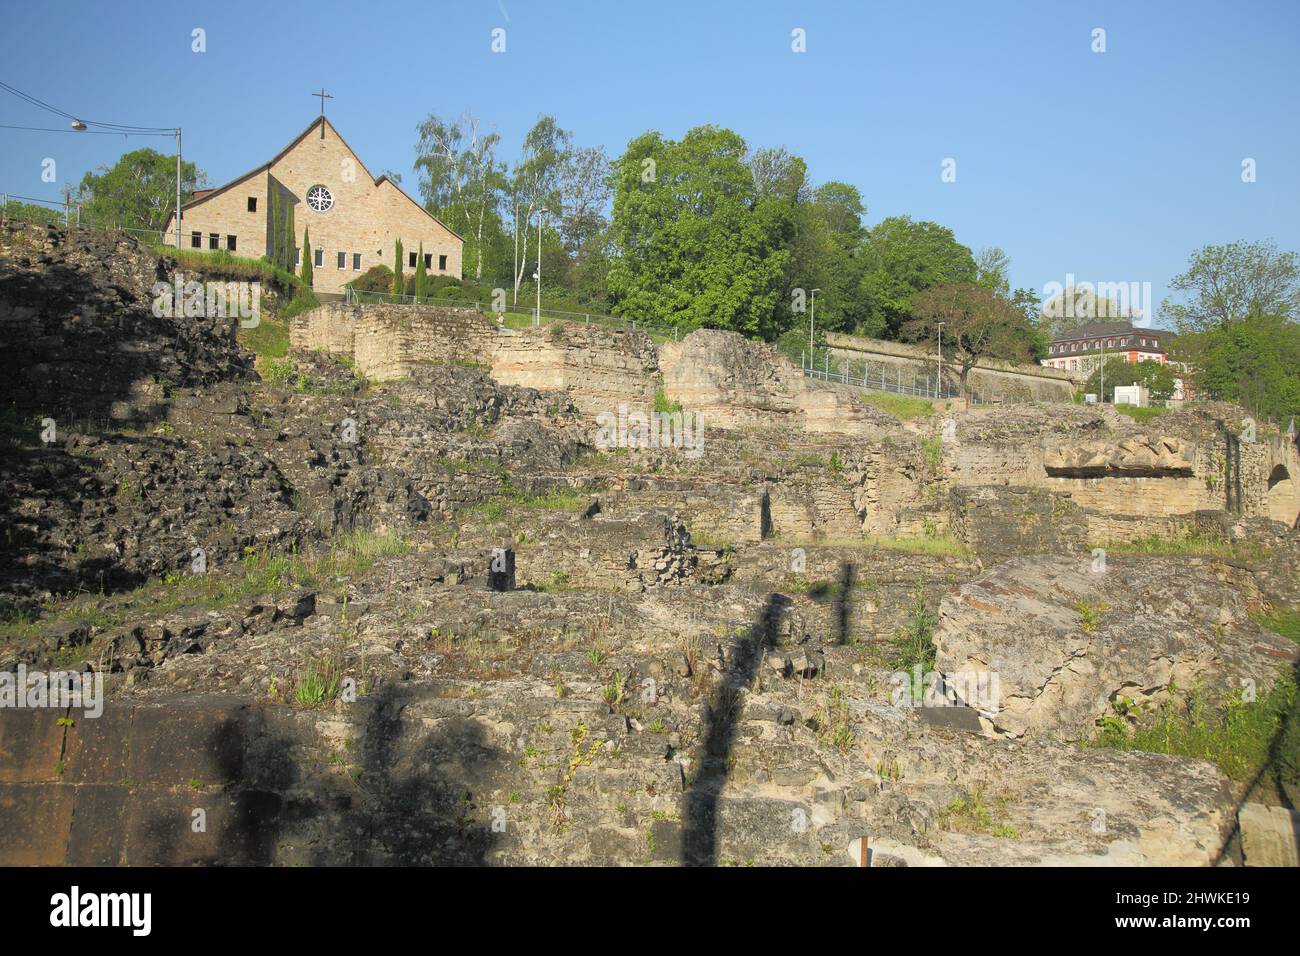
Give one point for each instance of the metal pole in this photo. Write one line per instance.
(178, 186)
(940, 386)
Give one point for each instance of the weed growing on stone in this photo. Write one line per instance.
(321, 684)
(932, 450)
(663, 405)
(978, 812)
(914, 645)
(1090, 614)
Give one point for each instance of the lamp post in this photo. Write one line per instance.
(538, 274)
(1103, 371)
(812, 321)
(938, 389)
(178, 186)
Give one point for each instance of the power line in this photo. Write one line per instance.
(83, 132)
(41, 104)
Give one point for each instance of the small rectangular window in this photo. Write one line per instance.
(196, 240)
(320, 257)
(214, 240)
(411, 259)
(343, 260)
(442, 263)
(428, 260)
(230, 243)
(297, 255)
(356, 262)
(252, 204)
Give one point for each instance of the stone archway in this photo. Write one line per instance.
(1280, 501)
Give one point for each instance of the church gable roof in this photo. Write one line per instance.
(266, 167)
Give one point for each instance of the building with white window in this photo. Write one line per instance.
(319, 186)
(1081, 349)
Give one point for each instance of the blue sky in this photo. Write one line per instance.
(1111, 166)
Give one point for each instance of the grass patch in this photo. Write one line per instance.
(1244, 738)
(1140, 414)
(321, 684)
(939, 545)
(283, 374)
(1193, 542)
(219, 264)
(563, 498)
(268, 341)
(900, 406)
(258, 572)
(977, 812)
(1284, 622)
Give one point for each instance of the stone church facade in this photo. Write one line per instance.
(354, 219)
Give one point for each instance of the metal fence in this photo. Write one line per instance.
(891, 377)
(69, 214)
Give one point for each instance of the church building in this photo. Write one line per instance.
(318, 185)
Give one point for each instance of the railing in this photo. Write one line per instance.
(918, 386)
(355, 296)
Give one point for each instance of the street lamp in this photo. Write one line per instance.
(812, 321)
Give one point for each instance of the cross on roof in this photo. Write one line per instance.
(323, 97)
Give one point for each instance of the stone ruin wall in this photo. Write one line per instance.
(599, 368)
(386, 341)
(737, 384)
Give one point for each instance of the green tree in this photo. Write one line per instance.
(1235, 281)
(461, 180)
(138, 191)
(535, 187)
(399, 281)
(1157, 377)
(902, 258)
(824, 256)
(287, 234)
(306, 258)
(696, 242)
(31, 212)
(993, 270)
(1253, 361)
(419, 273)
(977, 323)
